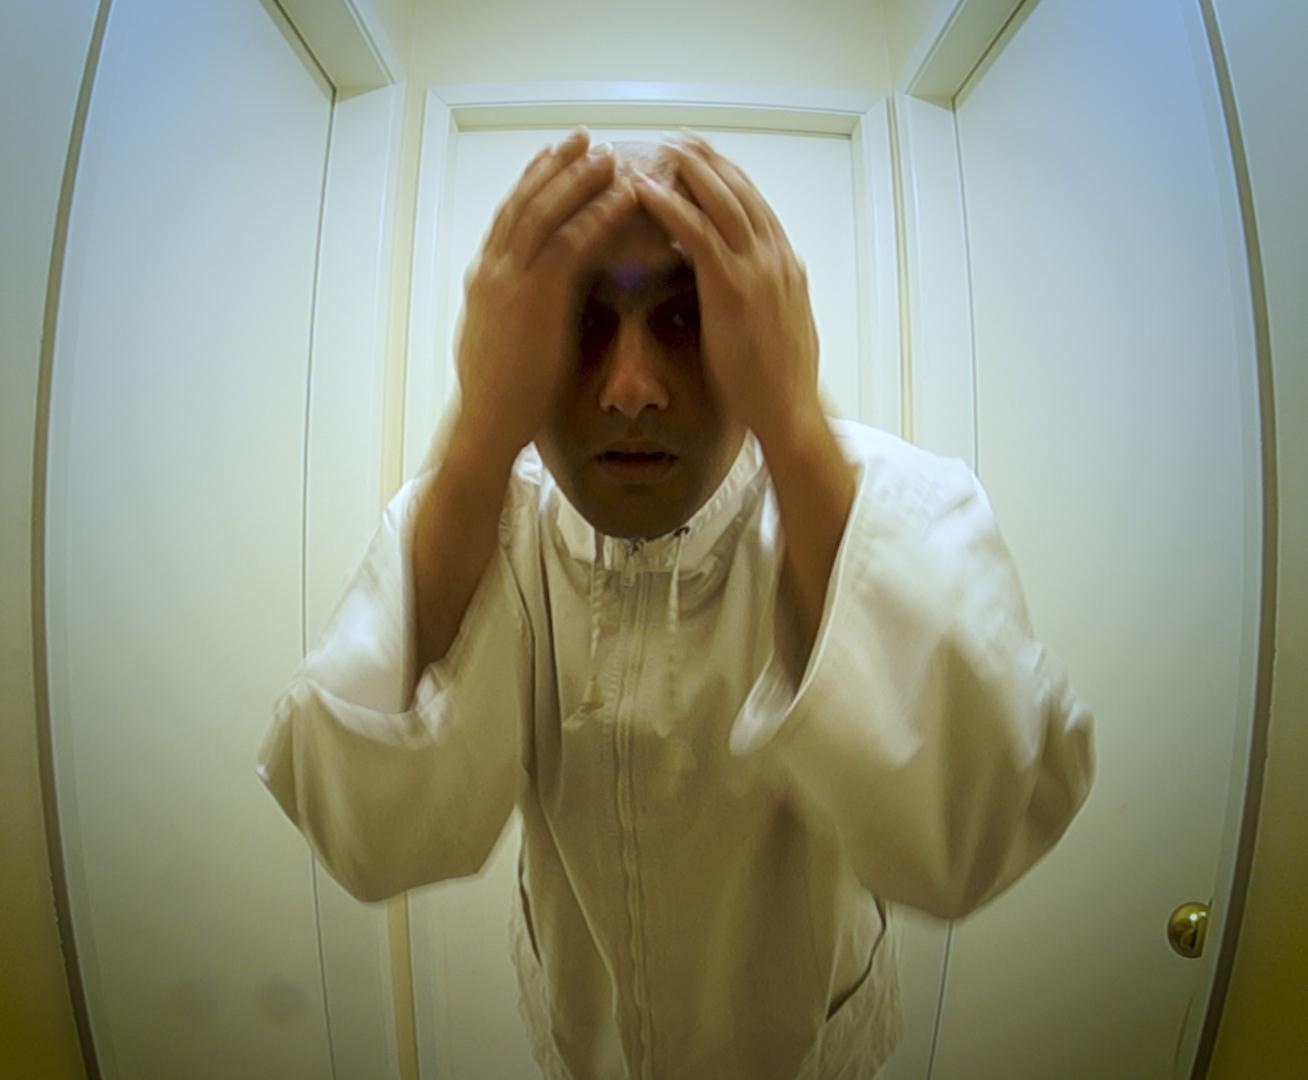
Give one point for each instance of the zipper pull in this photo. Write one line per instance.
(628, 569)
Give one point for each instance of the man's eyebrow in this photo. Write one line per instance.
(634, 280)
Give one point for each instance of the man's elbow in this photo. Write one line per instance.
(970, 871)
(993, 870)
(371, 882)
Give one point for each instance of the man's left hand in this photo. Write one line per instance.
(760, 352)
(757, 336)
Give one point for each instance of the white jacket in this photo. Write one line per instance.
(711, 839)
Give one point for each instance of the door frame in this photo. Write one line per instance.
(347, 367)
(959, 38)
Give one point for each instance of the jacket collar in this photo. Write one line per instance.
(702, 531)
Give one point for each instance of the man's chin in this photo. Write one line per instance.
(631, 530)
(631, 522)
(638, 507)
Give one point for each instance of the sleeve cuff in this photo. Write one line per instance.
(774, 695)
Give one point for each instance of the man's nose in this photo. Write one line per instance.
(632, 379)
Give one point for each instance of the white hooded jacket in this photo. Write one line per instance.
(712, 838)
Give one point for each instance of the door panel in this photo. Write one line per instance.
(174, 540)
(1116, 436)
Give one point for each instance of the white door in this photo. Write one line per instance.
(465, 990)
(175, 536)
(1116, 435)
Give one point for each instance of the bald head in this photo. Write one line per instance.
(639, 233)
(653, 159)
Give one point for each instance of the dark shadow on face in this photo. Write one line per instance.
(637, 441)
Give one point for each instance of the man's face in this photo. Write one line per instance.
(636, 441)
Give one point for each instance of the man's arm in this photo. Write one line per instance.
(512, 356)
(944, 745)
(761, 356)
(455, 529)
(393, 793)
(815, 487)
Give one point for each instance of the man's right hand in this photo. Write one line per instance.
(520, 294)
(515, 339)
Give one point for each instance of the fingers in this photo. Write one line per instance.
(686, 223)
(557, 201)
(759, 209)
(544, 167)
(582, 233)
(761, 215)
(718, 201)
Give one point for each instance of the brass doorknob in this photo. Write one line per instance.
(1187, 928)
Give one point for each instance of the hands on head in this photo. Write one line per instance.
(580, 333)
(647, 300)
(518, 313)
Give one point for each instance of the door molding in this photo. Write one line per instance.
(347, 40)
(957, 36)
(343, 493)
(344, 451)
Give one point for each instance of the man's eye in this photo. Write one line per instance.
(685, 317)
(593, 320)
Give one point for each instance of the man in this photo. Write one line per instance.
(751, 674)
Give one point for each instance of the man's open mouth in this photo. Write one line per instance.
(650, 457)
(636, 466)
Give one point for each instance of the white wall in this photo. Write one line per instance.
(833, 44)
(906, 22)
(43, 50)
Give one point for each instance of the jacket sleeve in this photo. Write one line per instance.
(942, 742)
(392, 793)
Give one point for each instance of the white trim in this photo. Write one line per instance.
(939, 332)
(880, 387)
(427, 952)
(1225, 882)
(792, 101)
(426, 384)
(348, 371)
(479, 106)
(347, 39)
(938, 364)
(957, 35)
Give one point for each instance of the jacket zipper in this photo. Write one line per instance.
(628, 567)
(626, 805)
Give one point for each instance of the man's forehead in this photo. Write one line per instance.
(640, 259)
(636, 278)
